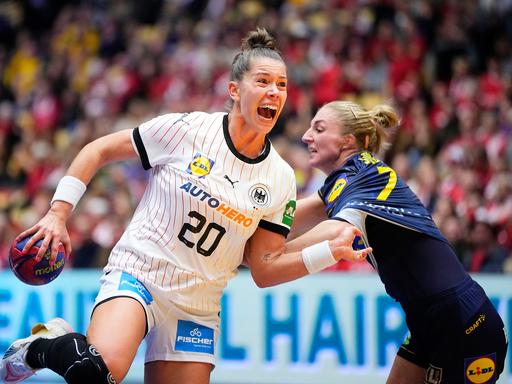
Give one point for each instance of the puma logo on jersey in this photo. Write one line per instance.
(231, 182)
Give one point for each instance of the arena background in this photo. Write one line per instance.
(71, 71)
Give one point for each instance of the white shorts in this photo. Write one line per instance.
(172, 334)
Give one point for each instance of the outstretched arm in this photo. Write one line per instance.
(310, 212)
(273, 262)
(52, 227)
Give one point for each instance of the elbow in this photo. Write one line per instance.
(262, 281)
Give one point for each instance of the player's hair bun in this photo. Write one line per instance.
(260, 38)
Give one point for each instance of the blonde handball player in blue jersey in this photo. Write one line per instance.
(218, 196)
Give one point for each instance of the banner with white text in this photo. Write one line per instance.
(323, 329)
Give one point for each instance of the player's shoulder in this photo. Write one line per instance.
(187, 119)
(363, 160)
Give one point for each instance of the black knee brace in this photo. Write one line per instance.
(89, 368)
(71, 357)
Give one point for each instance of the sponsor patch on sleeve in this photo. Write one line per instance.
(289, 213)
(130, 283)
(192, 337)
(337, 188)
(480, 369)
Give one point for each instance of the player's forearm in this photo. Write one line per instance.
(326, 230)
(93, 156)
(100, 152)
(277, 268)
(309, 213)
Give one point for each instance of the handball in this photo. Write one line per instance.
(33, 272)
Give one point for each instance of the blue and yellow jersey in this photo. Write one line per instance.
(367, 184)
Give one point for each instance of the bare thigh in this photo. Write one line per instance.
(405, 372)
(177, 372)
(116, 330)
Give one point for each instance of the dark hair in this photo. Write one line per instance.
(258, 43)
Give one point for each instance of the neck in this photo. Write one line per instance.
(247, 142)
(344, 156)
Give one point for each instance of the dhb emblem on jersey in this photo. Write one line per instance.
(480, 369)
(200, 165)
(260, 195)
(338, 187)
(289, 213)
(193, 337)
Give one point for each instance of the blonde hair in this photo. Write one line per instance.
(371, 128)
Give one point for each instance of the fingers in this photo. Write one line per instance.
(38, 235)
(361, 254)
(352, 232)
(50, 242)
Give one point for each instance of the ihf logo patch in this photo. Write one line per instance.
(192, 337)
(260, 195)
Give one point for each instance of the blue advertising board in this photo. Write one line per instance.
(321, 329)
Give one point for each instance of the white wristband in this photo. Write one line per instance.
(318, 256)
(70, 189)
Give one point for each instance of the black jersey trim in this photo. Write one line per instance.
(273, 227)
(141, 149)
(232, 148)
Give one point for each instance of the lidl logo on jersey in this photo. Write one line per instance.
(289, 213)
(200, 165)
(192, 337)
(338, 187)
(480, 370)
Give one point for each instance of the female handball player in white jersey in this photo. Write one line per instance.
(218, 196)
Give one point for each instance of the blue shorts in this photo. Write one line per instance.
(457, 338)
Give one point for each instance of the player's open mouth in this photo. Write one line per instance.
(267, 111)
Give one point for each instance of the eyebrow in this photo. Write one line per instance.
(265, 73)
(316, 122)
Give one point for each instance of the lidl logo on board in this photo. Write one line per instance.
(338, 187)
(480, 370)
(200, 165)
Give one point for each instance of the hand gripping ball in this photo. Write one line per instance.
(28, 270)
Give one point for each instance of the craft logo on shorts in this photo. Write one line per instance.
(338, 187)
(200, 165)
(476, 324)
(193, 337)
(260, 195)
(480, 370)
(289, 212)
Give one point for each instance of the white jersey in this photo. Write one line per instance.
(203, 201)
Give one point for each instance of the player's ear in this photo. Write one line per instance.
(233, 91)
(349, 141)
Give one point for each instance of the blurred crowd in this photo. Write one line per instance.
(71, 71)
